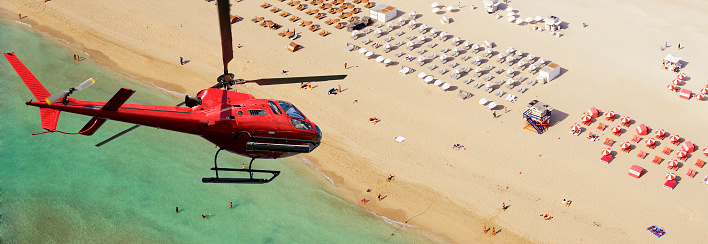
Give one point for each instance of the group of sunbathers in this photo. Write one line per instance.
(374, 120)
(458, 147)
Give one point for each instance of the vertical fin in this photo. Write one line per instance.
(50, 117)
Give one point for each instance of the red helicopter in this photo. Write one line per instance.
(234, 121)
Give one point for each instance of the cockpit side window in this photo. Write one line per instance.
(275, 108)
(291, 111)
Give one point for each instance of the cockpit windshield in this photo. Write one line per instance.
(291, 111)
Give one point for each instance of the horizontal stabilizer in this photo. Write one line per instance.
(37, 89)
(118, 99)
(50, 117)
(92, 126)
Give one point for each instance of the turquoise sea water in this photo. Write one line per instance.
(57, 188)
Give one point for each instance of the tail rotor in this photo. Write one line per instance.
(65, 94)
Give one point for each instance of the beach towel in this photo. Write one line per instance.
(399, 138)
(656, 230)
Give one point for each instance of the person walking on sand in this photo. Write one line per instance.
(504, 206)
(231, 205)
(345, 65)
(20, 16)
(378, 196)
(181, 61)
(485, 229)
(494, 231)
(494, 114)
(679, 46)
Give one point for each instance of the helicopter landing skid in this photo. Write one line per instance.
(250, 171)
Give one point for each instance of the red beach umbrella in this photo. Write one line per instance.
(660, 132)
(671, 87)
(674, 138)
(681, 76)
(575, 127)
(676, 81)
(625, 145)
(700, 96)
(671, 176)
(681, 154)
(705, 150)
(626, 120)
(651, 142)
(606, 151)
(610, 114)
(586, 118)
(704, 90)
(616, 129)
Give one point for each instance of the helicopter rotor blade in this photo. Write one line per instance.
(56, 96)
(125, 131)
(85, 84)
(277, 81)
(227, 50)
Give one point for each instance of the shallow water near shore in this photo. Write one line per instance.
(61, 188)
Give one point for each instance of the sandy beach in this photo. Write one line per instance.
(612, 64)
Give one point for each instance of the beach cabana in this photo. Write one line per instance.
(490, 6)
(636, 171)
(552, 23)
(672, 63)
(383, 12)
(642, 129)
(550, 72)
(688, 146)
(685, 94)
(593, 112)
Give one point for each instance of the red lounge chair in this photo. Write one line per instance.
(670, 184)
(666, 150)
(606, 159)
(674, 168)
(657, 160)
(661, 137)
(700, 163)
(691, 173)
(601, 126)
(636, 138)
(610, 142)
(642, 154)
(611, 118)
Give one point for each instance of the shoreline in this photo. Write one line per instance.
(393, 214)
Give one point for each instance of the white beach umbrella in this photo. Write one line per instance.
(511, 19)
(421, 37)
(467, 43)
(435, 5)
(422, 75)
(387, 46)
(433, 30)
(456, 39)
(369, 54)
(510, 49)
(500, 56)
(510, 81)
(380, 59)
(363, 50)
(671, 176)
(510, 71)
(529, 19)
(423, 26)
(530, 56)
(509, 58)
(681, 154)
(510, 14)
(410, 43)
(625, 145)
(355, 32)
(412, 22)
(456, 71)
(650, 142)
(450, 8)
(532, 67)
(483, 101)
(444, 33)
(606, 151)
(436, 10)
(538, 18)
(455, 49)
(509, 9)
(489, 84)
(491, 105)
(478, 70)
(477, 58)
(522, 63)
(378, 31)
(387, 61)
(438, 82)
(421, 58)
(390, 24)
(475, 46)
(519, 21)
(429, 79)
(519, 52)
(443, 56)
(488, 51)
(412, 14)
(541, 60)
(445, 86)
(402, 19)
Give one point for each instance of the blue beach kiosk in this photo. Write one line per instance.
(537, 116)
